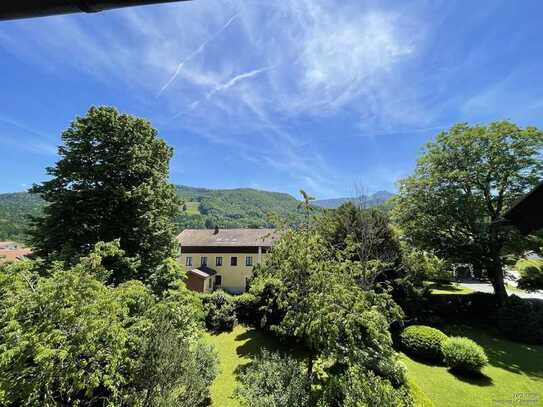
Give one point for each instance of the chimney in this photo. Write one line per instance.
(216, 230)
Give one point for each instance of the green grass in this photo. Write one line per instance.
(514, 370)
(447, 288)
(237, 349)
(192, 208)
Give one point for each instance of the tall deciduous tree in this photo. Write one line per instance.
(111, 182)
(462, 185)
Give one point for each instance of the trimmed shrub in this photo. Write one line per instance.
(463, 355)
(531, 274)
(522, 319)
(220, 311)
(423, 342)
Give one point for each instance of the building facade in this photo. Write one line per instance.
(222, 258)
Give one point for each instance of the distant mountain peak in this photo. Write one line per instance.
(374, 199)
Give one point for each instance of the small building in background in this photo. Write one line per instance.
(11, 251)
(223, 258)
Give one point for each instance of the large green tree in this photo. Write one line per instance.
(342, 326)
(111, 182)
(462, 185)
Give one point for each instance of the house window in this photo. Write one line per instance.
(218, 261)
(233, 261)
(203, 261)
(189, 261)
(218, 281)
(249, 261)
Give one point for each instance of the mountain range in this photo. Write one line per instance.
(378, 198)
(201, 208)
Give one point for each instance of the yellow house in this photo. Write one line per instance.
(222, 258)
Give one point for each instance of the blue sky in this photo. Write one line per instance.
(322, 95)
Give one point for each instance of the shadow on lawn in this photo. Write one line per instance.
(503, 353)
(477, 379)
(255, 340)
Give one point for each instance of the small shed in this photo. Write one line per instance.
(200, 279)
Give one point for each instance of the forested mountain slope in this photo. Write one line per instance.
(202, 208)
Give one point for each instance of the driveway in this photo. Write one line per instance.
(487, 288)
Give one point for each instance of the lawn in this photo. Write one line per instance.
(192, 208)
(514, 375)
(236, 349)
(447, 288)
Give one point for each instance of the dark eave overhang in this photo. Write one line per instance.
(14, 9)
(527, 213)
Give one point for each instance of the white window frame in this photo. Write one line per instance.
(188, 261)
(203, 261)
(248, 261)
(218, 263)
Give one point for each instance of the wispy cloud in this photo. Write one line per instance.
(197, 51)
(40, 143)
(316, 58)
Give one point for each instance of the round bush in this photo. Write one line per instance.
(522, 320)
(220, 311)
(423, 342)
(463, 355)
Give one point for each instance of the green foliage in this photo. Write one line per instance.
(358, 387)
(111, 182)
(412, 298)
(463, 355)
(220, 311)
(166, 276)
(274, 380)
(522, 320)
(324, 308)
(235, 208)
(15, 211)
(423, 342)
(366, 237)
(66, 338)
(245, 306)
(463, 182)
(425, 266)
(531, 274)
(266, 310)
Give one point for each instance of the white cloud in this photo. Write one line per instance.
(316, 58)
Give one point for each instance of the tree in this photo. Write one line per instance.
(366, 236)
(111, 182)
(462, 185)
(340, 324)
(66, 338)
(305, 205)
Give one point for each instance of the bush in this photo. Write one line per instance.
(463, 355)
(531, 274)
(273, 380)
(266, 309)
(522, 319)
(246, 309)
(69, 339)
(423, 342)
(220, 311)
(474, 306)
(360, 387)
